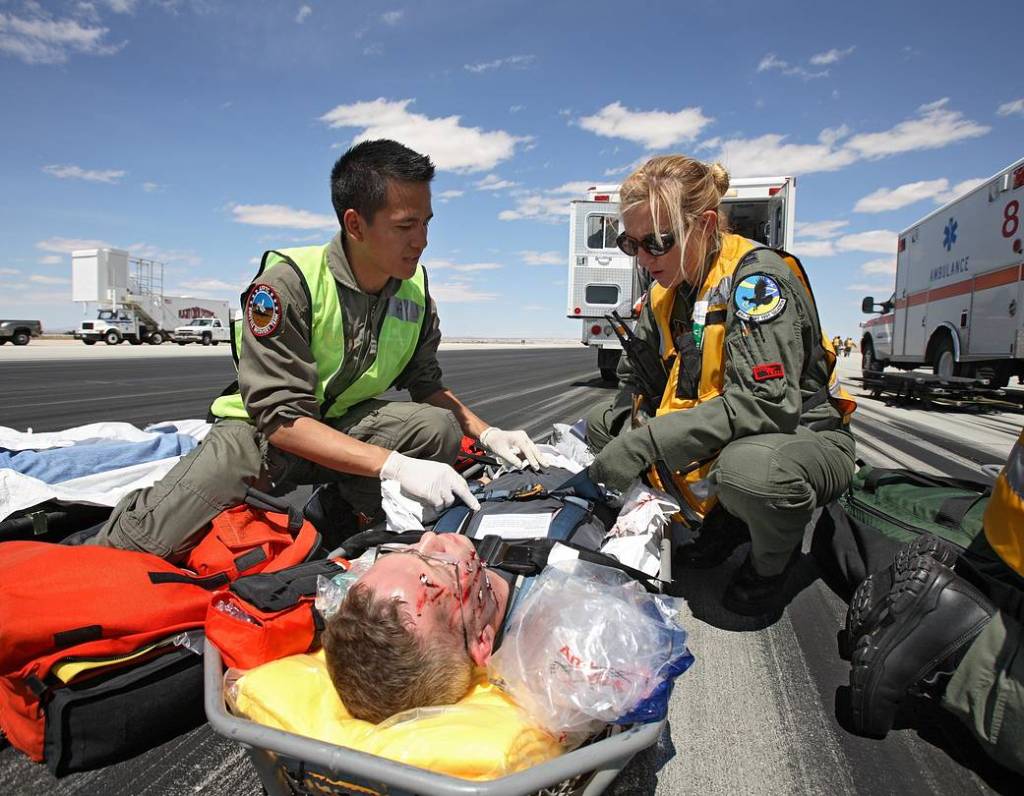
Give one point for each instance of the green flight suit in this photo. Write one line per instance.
(776, 462)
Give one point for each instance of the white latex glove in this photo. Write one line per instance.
(430, 482)
(510, 445)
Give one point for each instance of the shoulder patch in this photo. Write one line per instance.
(758, 298)
(263, 310)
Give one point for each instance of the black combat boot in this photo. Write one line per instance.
(751, 594)
(933, 617)
(870, 601)
(720, 534)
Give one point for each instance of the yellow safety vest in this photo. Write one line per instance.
(716, 291)
(1004, 515)
(396, 343)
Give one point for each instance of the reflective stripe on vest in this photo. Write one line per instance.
(396, 342)
(1004, 515)
(716, 292)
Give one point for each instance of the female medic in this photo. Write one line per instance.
(735, 410)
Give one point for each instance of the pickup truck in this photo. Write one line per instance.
(208, 331)
(19, 332)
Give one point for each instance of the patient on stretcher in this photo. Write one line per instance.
(410, 632)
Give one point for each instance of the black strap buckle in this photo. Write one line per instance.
(499, 554)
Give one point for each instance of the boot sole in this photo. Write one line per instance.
(869, 601)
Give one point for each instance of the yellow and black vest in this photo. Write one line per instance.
(396, 343)
(712, 303)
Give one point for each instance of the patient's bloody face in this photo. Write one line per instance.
(445, 589)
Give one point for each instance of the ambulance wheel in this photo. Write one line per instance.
(156, 338)
(868, 361)
(134, 341)
(207, 339)
(113, 337)
(944, 362)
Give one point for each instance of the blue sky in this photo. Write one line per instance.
(201, 133)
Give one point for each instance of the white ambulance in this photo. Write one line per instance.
(957, 302)
(602, 279)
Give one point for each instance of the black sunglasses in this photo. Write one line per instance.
(649, 243)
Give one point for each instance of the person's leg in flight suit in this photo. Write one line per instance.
(168, 518)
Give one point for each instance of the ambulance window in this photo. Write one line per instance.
(602, 231)
(602, 294)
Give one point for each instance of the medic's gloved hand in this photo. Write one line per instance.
(622, 460)
(510, 445)
(431, 482)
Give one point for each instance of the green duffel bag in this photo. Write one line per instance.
(883, 509)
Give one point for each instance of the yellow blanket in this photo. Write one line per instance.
(485, 736)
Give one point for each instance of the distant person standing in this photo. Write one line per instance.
(848, 346)
(837, 344)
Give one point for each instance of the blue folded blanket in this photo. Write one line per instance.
(56, 465)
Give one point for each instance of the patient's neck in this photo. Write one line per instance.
(500, 588)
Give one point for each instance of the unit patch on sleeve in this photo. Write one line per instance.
(758, 298)
(263, 311)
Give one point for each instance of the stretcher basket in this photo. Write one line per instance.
(290, 764)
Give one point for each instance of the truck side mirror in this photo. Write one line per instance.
(868, 304)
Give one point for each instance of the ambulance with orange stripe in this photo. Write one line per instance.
(959, 303)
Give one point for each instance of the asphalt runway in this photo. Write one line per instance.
(754, 715)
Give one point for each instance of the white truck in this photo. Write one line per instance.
(130, 302)
(208, 331)
(603, 280)
(957, 304)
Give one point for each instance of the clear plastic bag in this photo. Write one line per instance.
(587, 646)
(331, 591)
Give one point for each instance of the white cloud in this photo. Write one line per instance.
(516, 108)
(38, 38)
(304, 12)
(813, 248)
(882, 241)
(373, 49)
(629, 167)
(68, 245)
(865, 288)
(444, 196)
(769, 154)
(542, 258)
(820, 229)
(49, 280)
(450, 145)
(772, 62)
(935, 126)
(515, 61)
(392, 17)
(830, 56)
(883, 265)
(458, 293)
(533, 307)
(70, 172)
(550, 206)
(121, 6)
(653, 129)
(465, 268)
(147, 251)
(1008, 108)
(152, 187)
(894, 198)
(492, 182)
(281, 216)
(214, 285)
(51, 259)
(9, 271)
(958, 190)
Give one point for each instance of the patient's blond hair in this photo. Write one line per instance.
(379, 667)
(685, 188)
